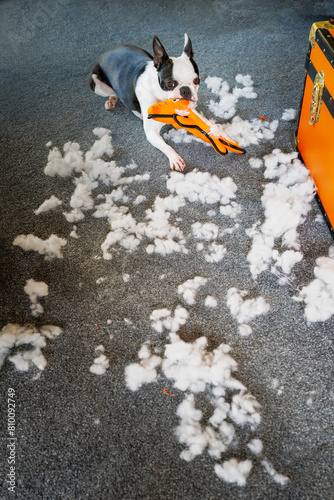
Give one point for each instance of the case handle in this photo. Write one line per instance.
(318, 88)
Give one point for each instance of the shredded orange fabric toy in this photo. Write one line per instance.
(165, 391)
(178, 113)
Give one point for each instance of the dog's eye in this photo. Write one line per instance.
(171, 85)
(196, 81)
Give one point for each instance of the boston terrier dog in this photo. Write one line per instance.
(139, 80)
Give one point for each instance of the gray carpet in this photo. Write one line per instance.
(84, 436)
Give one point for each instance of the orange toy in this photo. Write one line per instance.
(177, 113)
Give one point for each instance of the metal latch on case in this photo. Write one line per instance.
(318, 88)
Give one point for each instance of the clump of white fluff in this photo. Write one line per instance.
(163, 319)
(36, 289)
(289, 114)
(51, 247)
(225, 107)
(189, 289)
(47, 205)
(233, 471)
(101, 362)
(245, 310)
(12, 336)
(202, 187)
(318, 296)
(286, 204)
(144, 372)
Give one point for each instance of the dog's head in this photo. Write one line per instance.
(178, 76)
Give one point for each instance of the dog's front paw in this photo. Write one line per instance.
(110, 103)
(177, 162)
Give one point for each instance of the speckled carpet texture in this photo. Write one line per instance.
(164, 335)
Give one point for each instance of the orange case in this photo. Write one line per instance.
(315, 132)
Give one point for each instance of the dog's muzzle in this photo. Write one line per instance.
(185, 93)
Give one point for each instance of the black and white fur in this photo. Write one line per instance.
(140, 80)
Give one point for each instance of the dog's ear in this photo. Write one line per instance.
(160, 55)
(188, 48)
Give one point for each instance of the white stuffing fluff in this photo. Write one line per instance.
(13, 336)
(144, 352)
(189, 289)
(23, 360)
(216, 253)
(261, 254)
(75, 215)
(202, 187)
(73, 233)
(162, 318)
(247, 133)
(286, 204)
(211, 301)
(138, 374)
(36, 289)
(244, 409)
(286, 260)
(101, 132)
(50, 331)
(180, 135)
(89, 170)
(232, 210)
(278, 478)
(289, 114)
(233, 471)
(255, 446)
(191, 432)
(243, 131)
(144, 372)
(64, 165)
(214, 83)
(208, 231)
(47, 205)
(50, 247)
(193, 369)
(140, 198)
(81, 197)
(255, 162)
(245, 310)
(226, 106)
(318, 296)
(102, 146)
(101, 362)
(283, 212)
(205, 231)
(245, 330)
(164, 236)
(100, 349)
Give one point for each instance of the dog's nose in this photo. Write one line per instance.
(185, 93)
